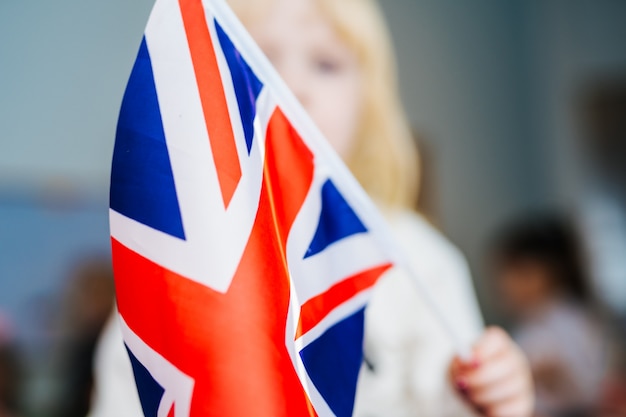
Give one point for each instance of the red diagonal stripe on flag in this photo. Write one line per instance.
(314, 310)
(212, 97)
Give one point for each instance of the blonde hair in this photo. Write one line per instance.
(385, 158)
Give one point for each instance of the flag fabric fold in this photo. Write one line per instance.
(244, 252)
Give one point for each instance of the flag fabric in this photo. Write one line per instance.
(244, 252)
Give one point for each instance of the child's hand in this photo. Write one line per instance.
(496, 380)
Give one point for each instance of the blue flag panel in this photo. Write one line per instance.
(142, 184)
(333, 362)
(150, 392)
(337, 220)
(247, 85)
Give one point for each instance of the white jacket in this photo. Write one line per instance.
(404, 342)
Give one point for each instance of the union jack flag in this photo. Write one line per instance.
(243, 250)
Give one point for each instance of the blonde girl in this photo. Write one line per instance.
(337, 58)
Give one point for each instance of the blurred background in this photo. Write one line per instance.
(519, 108)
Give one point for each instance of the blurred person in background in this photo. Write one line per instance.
(544, 289)
(336, 56)
(87, 303)
(10, 371)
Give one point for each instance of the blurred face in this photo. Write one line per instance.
(321, 70)
(524, 286)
